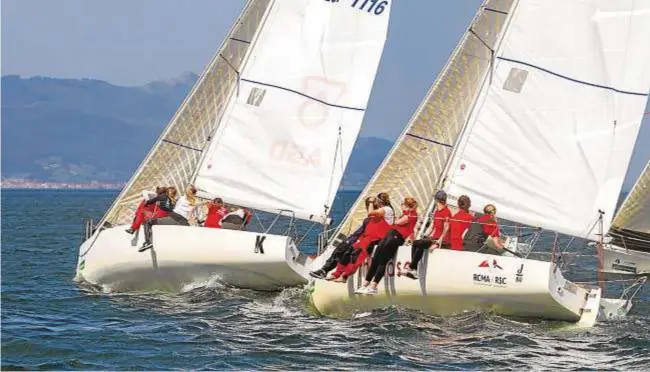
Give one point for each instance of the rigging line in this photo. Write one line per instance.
(234, 69)
(428, 140)
(624, 237)
(240, 40)
(480, 39)
(181, 145)
(304, 95)
(496, 11)
(336, 151)
(572, 79)
(609, 280)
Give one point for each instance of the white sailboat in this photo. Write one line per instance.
(628, 248)
(269, 126)
(536, 112)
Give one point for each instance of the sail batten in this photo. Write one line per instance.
(551, 142)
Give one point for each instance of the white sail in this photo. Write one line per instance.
(287, 135)
(551, 138)
(631, 226)
(414, 165)
(174, 158)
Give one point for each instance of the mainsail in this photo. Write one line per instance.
(176, 154)
(415, 163)
(286, 137)
(273, 118)
(551, 138)
(631, 226)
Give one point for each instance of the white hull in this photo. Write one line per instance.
(455, 281)
(188, 254)
(623, 261)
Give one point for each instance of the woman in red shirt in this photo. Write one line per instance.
(437, 235)
(483, 228)
(460, 223)
(145, 211)
(380, 221)
(389, 245)
(216, 211)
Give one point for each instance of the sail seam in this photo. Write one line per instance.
(572, 79)
(304, 95)
(181, 145)
(429, 140)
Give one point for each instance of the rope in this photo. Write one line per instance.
(336, 153)
(629, 237)
(607, 281)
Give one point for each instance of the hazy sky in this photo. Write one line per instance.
(132, 42)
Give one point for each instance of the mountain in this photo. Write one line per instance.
(83, 130)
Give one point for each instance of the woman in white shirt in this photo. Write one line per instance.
(187, 208)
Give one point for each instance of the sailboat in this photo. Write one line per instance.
(536, 111)
(628, 248)
(269, 126)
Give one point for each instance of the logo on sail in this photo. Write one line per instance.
(321, 94)
(289, 152)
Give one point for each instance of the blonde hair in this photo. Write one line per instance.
(190, 194)
(171, 194)
(491, 211)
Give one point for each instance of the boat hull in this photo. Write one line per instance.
(190, 254)
(624, 261)
(454, 281)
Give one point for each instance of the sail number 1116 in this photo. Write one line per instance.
(375, 6)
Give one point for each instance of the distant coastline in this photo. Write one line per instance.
(26, 184)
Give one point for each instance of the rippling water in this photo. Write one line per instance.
(49, 322)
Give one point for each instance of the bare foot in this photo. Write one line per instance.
(340, 280)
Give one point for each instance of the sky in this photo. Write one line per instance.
(133, 42)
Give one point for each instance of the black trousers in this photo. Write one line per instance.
(385, 251)
(172, 219)
(336, 256)
(418, 248)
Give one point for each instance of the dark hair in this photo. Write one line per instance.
(369, 200)
(160, 190)
(464, 203)
(385, 200)
(218, 200)
(490, 209)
